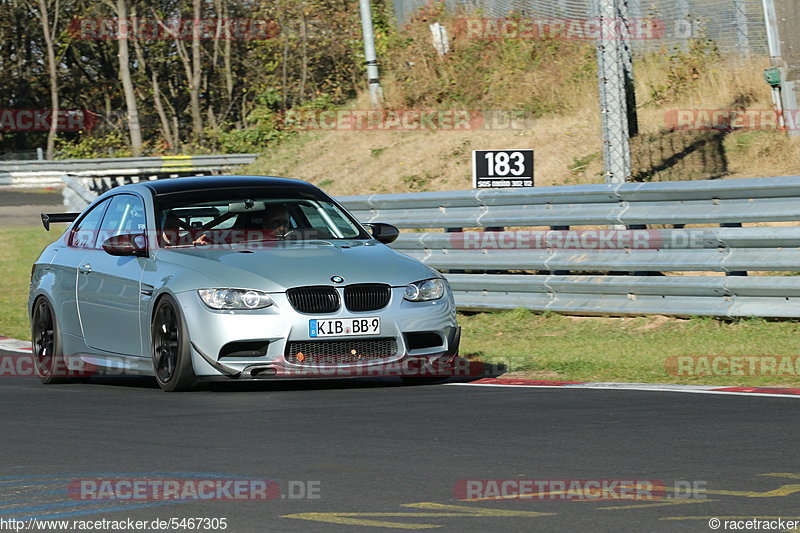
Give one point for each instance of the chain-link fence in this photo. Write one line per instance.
(621, 29)
(734, 25)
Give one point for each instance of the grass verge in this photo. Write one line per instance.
(532, 345)
(19, 248)
(636, 349)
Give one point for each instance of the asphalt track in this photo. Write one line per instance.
(19, 207)
(385, 457)
(18, 197)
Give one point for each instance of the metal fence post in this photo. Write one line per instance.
(613, 97)
(370, 55)
(784, 18)
(627, 63)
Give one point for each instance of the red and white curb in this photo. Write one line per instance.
(15, 345)
(780, 392)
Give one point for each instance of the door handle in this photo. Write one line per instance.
(85, 269)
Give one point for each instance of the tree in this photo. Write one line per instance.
(120, 8)
(49, 36)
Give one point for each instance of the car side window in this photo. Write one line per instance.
(84, 233)
(125, 216)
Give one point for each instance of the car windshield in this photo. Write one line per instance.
(235, 217)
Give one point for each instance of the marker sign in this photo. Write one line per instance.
(502, 168)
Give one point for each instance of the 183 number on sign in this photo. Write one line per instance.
(502, 168)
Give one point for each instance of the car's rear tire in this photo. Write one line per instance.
(46, 344)
(170, 347)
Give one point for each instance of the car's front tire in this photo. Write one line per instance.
(170, 347)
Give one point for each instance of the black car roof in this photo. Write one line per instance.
(205, 183)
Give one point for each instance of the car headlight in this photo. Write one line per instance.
(235, 299)
(427, 289)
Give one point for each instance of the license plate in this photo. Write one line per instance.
(344, 327)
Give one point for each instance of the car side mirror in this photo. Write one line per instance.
(384, 233)
(127, 244)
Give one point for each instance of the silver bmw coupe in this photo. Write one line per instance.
(233, 278)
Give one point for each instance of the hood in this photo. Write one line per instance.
(285, 265)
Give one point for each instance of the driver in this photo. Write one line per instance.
(171, 230)
(277, 219)
(275, 222)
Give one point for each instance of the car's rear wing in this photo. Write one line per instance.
(47, 218)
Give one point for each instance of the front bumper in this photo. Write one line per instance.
(211, 332)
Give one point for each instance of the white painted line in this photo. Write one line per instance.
(644, 386)
(709, 390)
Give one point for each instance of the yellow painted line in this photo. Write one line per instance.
(445, 511)
(783, 490)
(476, 511)
(172, 169)
(782, 474)
(660, 504)
(749, 517)
(171, 161)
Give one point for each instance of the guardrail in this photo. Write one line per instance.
(604, 249)
(22, 174)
